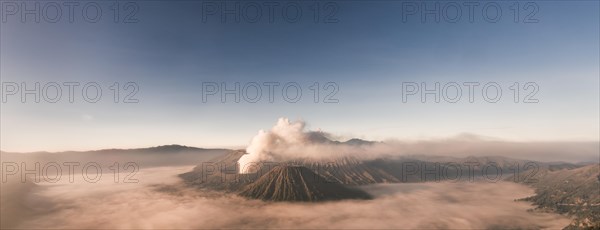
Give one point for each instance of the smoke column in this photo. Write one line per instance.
(266, 144)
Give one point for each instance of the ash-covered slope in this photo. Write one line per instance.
(575, 192)
(298, 183)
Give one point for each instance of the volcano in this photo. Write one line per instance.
(298, 184)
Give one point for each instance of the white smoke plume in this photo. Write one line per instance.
(268, 145)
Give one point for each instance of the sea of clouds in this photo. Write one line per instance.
(161, 200)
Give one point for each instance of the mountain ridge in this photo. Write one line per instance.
(169, 147)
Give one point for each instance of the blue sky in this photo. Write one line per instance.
(368, 54)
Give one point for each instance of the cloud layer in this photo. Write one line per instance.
(160, 201)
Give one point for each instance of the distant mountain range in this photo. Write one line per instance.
(165, 155)
(173, 148)
(320, 137)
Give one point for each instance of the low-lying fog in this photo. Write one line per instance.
(159, 200)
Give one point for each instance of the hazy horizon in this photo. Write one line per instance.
(289, 139)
